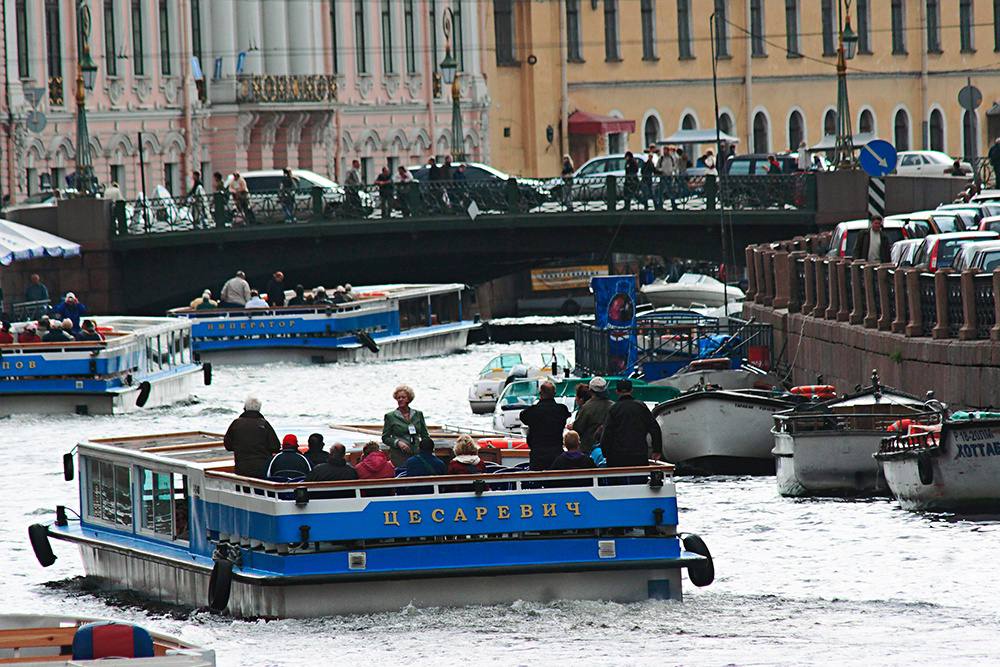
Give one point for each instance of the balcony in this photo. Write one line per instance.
(285, 88)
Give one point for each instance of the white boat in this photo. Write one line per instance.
(33, 639)
(720, 432)
(826, 448)
(719, 372)
(504, 369)
(953, 467)
(692, 288)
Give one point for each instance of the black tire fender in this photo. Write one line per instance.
(701, 573)
(925, 470)
(367, 341)
(144, 389)
(220, 584)
(39, 536)
(206, 371)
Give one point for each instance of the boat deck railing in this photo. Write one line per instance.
(808, 422)
(903, 442)
(329, 309)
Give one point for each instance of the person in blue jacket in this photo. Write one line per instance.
(71, 309)
(425, 463)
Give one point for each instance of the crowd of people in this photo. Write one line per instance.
(62, 323)
(237, 293)
(604, 433)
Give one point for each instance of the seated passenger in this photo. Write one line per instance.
(340, 294)
(374, 463)
(59, 334)
(29, 334)
(572, 458)
(466, 461)
(316, 454)
(300, 297)
(288, 465)
(335, 469)
(255, 301)
(204, 302)
(320, 298)
(425, 463)
(89, 332)
(6, 337)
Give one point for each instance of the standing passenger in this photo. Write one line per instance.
(630, 431)
(545, 422)
(404, 427)
(592, 415)
(235, 292)
(251, 440)
(276, 289)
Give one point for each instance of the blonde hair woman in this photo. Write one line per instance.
(404, 427)
(466, 461)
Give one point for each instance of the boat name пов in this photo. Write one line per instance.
(437, 515)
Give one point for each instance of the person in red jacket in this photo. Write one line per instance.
(466, 461)
(6, 337)
(374, 463)
(29, 334)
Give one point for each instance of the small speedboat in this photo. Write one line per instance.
(954, 465)
(504, 369)
(825, 448)
(721, 432)
(720, 372)
(692, 288)
(31, 639)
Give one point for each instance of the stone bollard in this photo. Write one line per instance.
(758, 262)
(940, 329)
(833, 287)
(970, 327)
(915, 326)
(809, 300)
(899, 283)
(822, 291)
(882, 276)
(857, 313)
(794, 298)
(995, 331)
(768, 256)
(749, 253)
(782, 271)
(870, 320)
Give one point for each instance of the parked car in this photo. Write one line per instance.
(902, 252)
(984, 256)
(976, 211)
(590, 178)
(986, 197)
(921, 223)
(990, 224)
(938, 250)
(264, 185)
(759, 163)
(485, 184)
(927, 163)
(845, 235)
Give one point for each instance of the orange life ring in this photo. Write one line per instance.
(815, 390)
(503, 443)
(900, 425)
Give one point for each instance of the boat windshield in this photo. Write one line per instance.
(695, 279)
(560, 359)
(503, 362)
(520, 393)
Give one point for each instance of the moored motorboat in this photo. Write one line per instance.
(953, 466)
(691, 289)
(720, 432)
(165, 515)
(825, 448)
(34, 639)
(721, 372)
(504, 369)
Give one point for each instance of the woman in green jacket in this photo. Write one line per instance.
(403, 428)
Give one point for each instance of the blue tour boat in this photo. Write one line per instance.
(383, 322)
(165, 516)
(143, 362)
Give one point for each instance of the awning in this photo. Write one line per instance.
(706, 136)
(581, 122)
(829, 141)
(19, 243)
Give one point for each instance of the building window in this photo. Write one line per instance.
(936, 130)
(933, 26)
(573, 31)
(410, 36)
(965, 17)
(970, 135)
(170, 179)
(196, 32)
(721, 28)
(21, 26)
(110, 56)
(109, 492)
(164, 16)
(757, 28)
(796, 132)
(138, 54)
(457, 38)
(827, 18)
(898, 18)
(792, 27)
(53, 38)
(830, 123)
(866, 122)
(31, 176)
(651, 131)
(334, 38)
(684, 29)
(359, 37)
(725, 123)
(901, 130)
(647, 10)
(386, 21)
(864, 27)
(503, 24)
(118, 176)
(611, 52)
(760, 133)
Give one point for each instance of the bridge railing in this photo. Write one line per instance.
(799, 276)
(468, 198)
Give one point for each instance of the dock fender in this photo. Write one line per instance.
(144, 389)
(702, 573)
(206, 371)
(367, 341)
(925, 470)
(39, 536)
(219, 585)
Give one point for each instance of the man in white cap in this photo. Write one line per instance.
(592, 414)
(71, 309)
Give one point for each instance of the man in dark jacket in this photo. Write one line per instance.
(592, 414)
(873, 245)
(336, 468)
(252, 441)
(425, 463)
(316, 454)
(276, 289)
(545, 421)
(629, 422)
(289, 465)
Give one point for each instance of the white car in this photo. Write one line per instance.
(903, 252)
(589, 180)
(927, 163)
(264, 185)
(984, 256)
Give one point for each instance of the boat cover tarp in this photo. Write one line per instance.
(19, 243)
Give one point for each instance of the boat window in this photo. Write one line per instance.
(413, 313)
(503, 362)
(109, 492)
(518, 392)
(165, 504)
(560, 359)
(186, 347)
(444, 308)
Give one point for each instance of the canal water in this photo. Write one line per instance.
(798, 581)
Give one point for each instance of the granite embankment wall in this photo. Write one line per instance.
(842, 318)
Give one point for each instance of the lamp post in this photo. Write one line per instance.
(843, 152)
(86, 73)
(449, 72)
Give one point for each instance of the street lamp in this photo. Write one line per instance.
(843, 153)
(86, 73)
(449, 72)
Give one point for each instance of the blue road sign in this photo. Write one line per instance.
(878, 158)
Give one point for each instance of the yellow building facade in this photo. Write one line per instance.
(650, 62)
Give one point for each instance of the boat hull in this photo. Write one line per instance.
(736, 378)
(964, 471)
(685, 297)
(718, 433)
(828, 463)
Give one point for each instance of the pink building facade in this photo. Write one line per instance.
(234, 85)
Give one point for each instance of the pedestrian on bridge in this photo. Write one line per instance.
(631, 180)
(873, 245)
(385, 195)
(567, 178)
